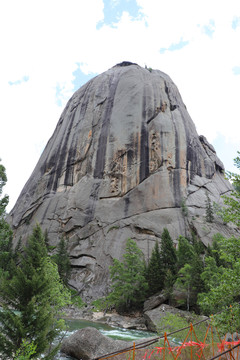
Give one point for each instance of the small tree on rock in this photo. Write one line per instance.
(209, 209)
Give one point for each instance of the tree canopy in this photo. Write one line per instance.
(231, 212)
(32, 297)
(129, 284)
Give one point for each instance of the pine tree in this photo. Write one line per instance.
(209, 209)
(154, 272)
(189, 277)
(197, 283)
(168, 253)
(3, 200)
(32, 298)
(184, 252)
(5, 230)
(129, 284)
(63, 262)
(231, 212)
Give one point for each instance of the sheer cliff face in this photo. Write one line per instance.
(124, 155)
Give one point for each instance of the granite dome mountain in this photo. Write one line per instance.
(124, 157)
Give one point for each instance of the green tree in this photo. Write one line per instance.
(6, 252)
(184, 252)
(211, 274)
(63, 262)
(32, 299)
(154, 272)
(3, 199)
(190, 267)
(197, 284)
(184, 281)
(169, 281)
(222, 283)
(129, 284)
(231, 212)
(209, 209)
(168, 253)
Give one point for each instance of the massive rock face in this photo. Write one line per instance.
(123, 157)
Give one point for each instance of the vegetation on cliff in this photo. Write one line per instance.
(209, 277)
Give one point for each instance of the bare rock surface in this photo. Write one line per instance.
(154, 301)
(123, 156)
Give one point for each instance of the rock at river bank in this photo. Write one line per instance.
(89, 343)
(155, 318)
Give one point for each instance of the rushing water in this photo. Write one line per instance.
(113, 332)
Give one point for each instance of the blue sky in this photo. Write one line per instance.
(50, 48)
(113, 11)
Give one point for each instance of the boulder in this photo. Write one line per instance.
(154, 301)
(123, 156)
(154, 318)
(231, 337)
(89, 343)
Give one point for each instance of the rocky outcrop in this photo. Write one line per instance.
(123, 157)
(89, 343)
(154, 301)
(158, 318)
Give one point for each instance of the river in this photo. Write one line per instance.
(113, 332)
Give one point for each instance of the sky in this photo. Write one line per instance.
(50, 48)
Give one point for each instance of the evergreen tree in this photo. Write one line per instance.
(168, 253)
(46, 240)
(222, 283)
(63, 262)
(3, 199)
(184, 252)
(32, 298)
(196, 280)
(189, 279)
(211, 274)
(231, 212)
(129, 284)
(154, 272)
(184, 281)
(215, 250)
(169, 281)
(209, 209)
(5, 230)
(190, 267)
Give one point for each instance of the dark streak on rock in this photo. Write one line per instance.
(102, 144)
(62, 154)
(169, 95)
(92, 202)
(176, 176)
(144, 148)
(126, 205)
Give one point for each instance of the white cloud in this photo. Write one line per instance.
(44, 41)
